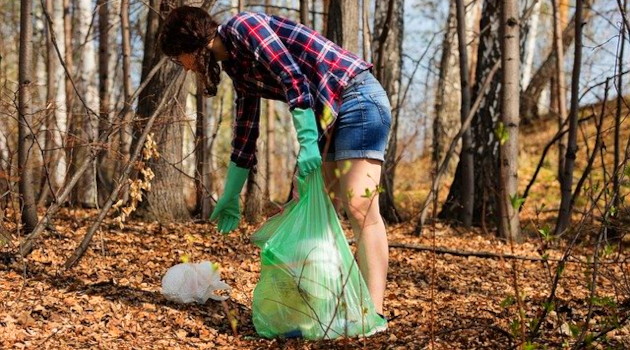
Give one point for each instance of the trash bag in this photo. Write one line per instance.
(310, 285)
(193, 282)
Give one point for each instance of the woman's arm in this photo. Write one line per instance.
(245, 131)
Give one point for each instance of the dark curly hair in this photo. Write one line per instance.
(188, 30)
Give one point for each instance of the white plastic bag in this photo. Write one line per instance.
(193, 282)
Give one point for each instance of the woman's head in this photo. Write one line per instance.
(185, 35)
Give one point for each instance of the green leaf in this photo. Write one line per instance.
(560, 269)
(515, 327)
(367, 194)
(575, 330)
(604, 301)
(530, 346)
(516, 201)
(545, 233)
(608, 249)
(509, 300)
(501, 133)
(626, 171)
(549, 306)
(613, 210)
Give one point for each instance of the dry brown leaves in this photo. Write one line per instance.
(112, 300)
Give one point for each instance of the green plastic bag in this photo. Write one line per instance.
(310, 285)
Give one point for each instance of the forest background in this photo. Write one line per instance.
(505, 185)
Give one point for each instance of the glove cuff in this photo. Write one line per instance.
(235, 179)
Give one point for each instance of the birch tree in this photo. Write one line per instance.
(59, 123)
(26, 138)
(509, 225)
(86, 192)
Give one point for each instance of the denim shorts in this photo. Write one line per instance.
(363, 122)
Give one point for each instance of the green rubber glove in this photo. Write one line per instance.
(228, 210)
(305, 124)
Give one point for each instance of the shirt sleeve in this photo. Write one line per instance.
(245, 131)
(252, 32)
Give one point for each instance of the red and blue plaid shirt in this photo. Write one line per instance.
(275, 58)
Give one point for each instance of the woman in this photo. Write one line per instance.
(330, 93)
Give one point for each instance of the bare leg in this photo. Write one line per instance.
(357, 176)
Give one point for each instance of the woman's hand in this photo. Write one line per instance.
(309, 157)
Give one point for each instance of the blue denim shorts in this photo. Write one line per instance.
(363, 122)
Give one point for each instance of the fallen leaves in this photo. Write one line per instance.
(112, 298)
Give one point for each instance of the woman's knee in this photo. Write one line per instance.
(362, 211)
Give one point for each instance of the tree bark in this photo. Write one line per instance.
(343, 24)
(103, 180)
(564, 215)
(26, 138)
(203, 173)
(304, 12)
(59, 128)
(509, 224)
(389, 22)
(619, 108)
(440, 136)
(466, 156)
(164, 202)
(126, 129)
(530, 44)
(530, 96)
(484, 123)
(85, 193)
(558, 83)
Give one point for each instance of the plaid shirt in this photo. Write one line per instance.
(275, 58)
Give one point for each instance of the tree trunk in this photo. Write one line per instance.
(389, 23)
(466, 156)
(164, 202)
(85, 193)
(203, 173)
(63, 24)
(367, 35)
(26, 138)
(558, 83)
(104, 182)
(509, 224)
(566, 204)
(620, 102)
(343, 24)
(304, 12)
(485, 145)
(126, 129)
(59, 127)
(442, 120)
(530, 44)
(530, 96)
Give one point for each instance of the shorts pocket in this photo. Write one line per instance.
(384, 108)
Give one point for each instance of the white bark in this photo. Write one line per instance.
(4, 149)
(530, 45)
(88, 82)
(60, 128)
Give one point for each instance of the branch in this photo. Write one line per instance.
(80, 250)
(27, 244)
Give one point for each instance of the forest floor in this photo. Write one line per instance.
(112, 299)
